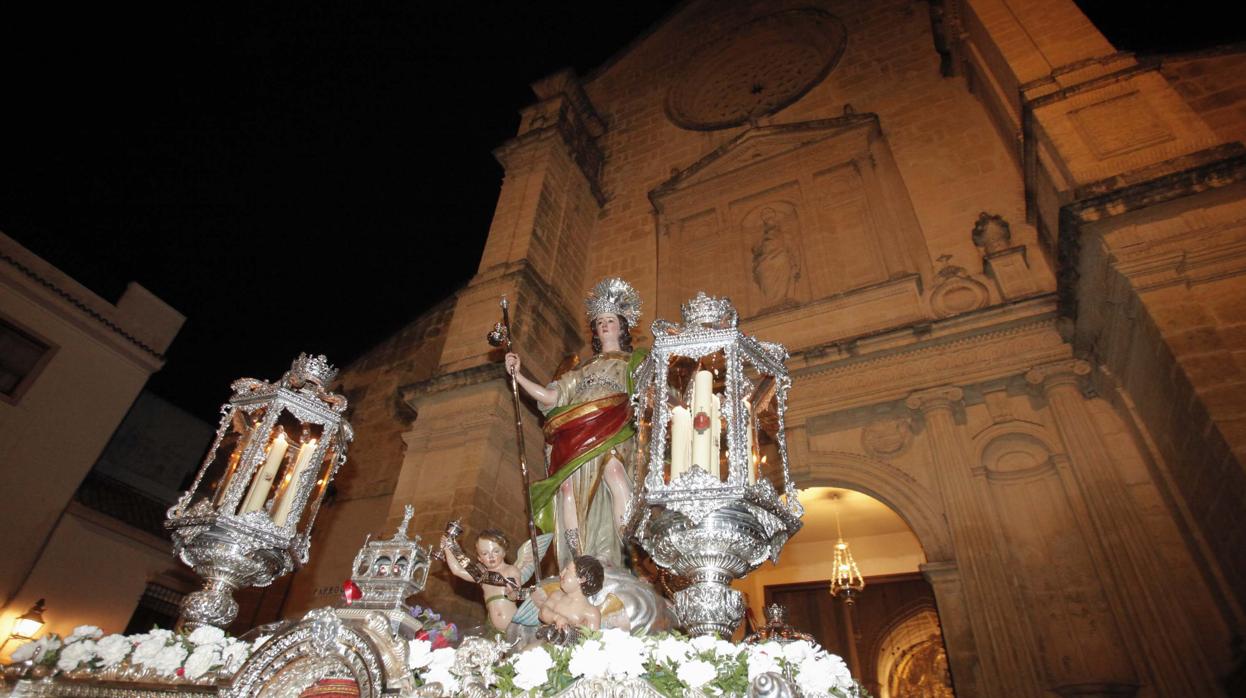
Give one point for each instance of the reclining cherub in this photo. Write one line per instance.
(568, 606)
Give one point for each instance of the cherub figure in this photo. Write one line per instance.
(568, 606)
(492, 546)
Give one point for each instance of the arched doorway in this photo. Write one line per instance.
(877, 635)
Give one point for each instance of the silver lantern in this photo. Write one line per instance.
(247, 519)
(710, 402)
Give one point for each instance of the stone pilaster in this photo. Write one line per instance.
(962, 651)
(1137, 583)
(1002, 634)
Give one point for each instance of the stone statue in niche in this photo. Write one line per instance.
(775, 265)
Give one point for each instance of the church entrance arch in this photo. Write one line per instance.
(921, 509)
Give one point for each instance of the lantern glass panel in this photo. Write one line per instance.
(762, 404)
(324, 474)
(224, 462)
(303, 441)
(696, 430)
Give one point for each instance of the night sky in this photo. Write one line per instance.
(305, 176)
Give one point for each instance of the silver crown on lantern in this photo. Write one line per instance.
(707, 311)
(315, 370)
(613, 296)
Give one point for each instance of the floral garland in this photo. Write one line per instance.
(195, 657)
(671, 663)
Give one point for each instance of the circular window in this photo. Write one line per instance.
(756, 69)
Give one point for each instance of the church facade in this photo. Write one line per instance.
(1007, 261)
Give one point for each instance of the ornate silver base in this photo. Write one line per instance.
(212, 605)
(228, 553)
(710, 606)
(711, 543)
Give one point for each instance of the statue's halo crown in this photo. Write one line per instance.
(613, 296)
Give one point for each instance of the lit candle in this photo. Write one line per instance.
(286, 499)
(263, 482)
(681, 440)
(702, 437)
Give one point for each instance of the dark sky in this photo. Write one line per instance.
(303, 176)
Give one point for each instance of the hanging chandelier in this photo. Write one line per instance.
(846, 580)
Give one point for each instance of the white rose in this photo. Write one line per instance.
(818, 674)
(234, 654)
(24, 653)
(627, 653)
(113, 649)
(419, 653)
(76, 654)
(672, 650)
(532, 668)
(696, 673)
(796, 652)
(206, 635)
(722, 648)
(168, 660)
(761, 661)
(589, 660)
(84, 632)
(838, 669)
(703, 643)
(439, 672)
(147, 649)
(202, 660)
(48, 643)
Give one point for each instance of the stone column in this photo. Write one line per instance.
(1135, 579)
(1002, 634)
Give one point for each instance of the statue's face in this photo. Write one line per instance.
(490, 554)
(607, 326)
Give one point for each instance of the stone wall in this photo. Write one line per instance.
(981, 231)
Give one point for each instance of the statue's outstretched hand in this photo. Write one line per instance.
(513, 363)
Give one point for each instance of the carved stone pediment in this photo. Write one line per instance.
(785, 217)
(757, 145)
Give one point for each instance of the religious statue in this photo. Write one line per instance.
(568, 606)
(774, 265)
(491, 548)
(589, 431)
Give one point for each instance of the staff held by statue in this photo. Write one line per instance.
(500, 336)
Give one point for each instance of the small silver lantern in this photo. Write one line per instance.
(710, 402)
(386, 572)
(247, 518)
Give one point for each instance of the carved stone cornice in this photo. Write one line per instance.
(1065, 372)
(947, 397)
(1186, 175)
(413, 393)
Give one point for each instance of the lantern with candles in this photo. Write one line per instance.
(717, 497)
(247, 519)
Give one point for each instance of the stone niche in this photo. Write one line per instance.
(794, 221)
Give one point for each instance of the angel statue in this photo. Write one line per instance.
(589, 433)
(499, 580)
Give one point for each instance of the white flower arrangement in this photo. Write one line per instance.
(197, 657)
(672, 664)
